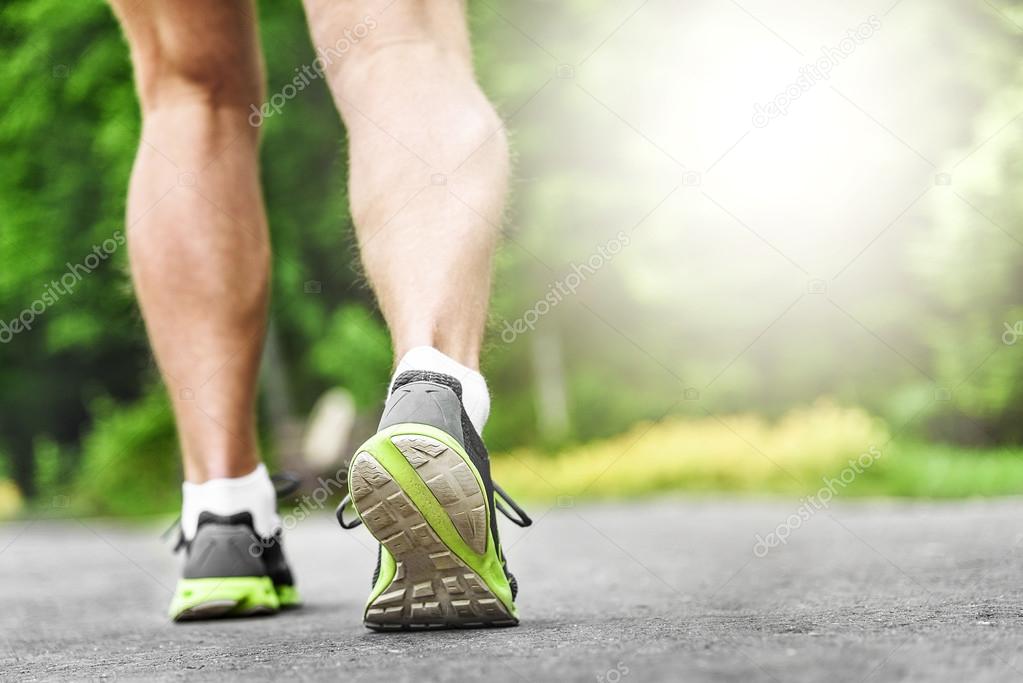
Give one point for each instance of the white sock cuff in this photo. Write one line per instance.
(475, 396)
(253, 493)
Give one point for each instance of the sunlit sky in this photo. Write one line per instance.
(651, 115)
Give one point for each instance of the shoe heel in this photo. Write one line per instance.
(229, 596)
(433, 587)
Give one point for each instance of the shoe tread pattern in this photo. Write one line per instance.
(432, 587)
(452, 483)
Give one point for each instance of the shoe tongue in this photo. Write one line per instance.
(410, 376)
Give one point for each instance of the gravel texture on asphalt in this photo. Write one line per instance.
(669, 589)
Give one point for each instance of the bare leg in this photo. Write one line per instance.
(197, 231)
(429, 164)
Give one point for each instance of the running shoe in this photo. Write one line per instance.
(230, 571)
(422, 487)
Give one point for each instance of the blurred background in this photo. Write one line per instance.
(747, 244)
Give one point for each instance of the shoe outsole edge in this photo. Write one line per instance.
(419, 495)
(220, 597)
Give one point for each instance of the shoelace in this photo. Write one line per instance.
(285, 485)
(520, 519)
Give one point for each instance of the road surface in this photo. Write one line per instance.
(670, 589)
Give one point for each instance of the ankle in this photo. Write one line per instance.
(252, 492)
(475, 396)
(221, 469)
(465, 354)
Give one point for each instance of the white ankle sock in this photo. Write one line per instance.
(253, 493)
(475, 396)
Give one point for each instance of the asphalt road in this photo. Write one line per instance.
(664, 590)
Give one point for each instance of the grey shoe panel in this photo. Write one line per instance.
(425, 403)
(224, 550)
(424, 397)
(435, 399)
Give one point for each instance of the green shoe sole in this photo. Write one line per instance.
(217, 597)
(420, 496)
(288, 597)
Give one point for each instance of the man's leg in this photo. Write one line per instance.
(199, 253)
(197, 231)
(429, 164)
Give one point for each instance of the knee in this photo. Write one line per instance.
(412, 81)
(410, 72)
(355, 48)
(476, 140)
(213, 74)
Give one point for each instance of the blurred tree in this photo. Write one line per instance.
(976, 254)
(78, 389)
(67, 138)
(70, 118)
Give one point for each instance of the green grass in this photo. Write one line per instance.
(131, 467)
(795, 455)
(941, 471)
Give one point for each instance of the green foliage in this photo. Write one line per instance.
(355, 352)
(977, 253)
(69, 125)
(799, 454)
(48, 465)
(78, 391)
(702, 454)
(68, 138)
(129, 459)
(917, 469)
